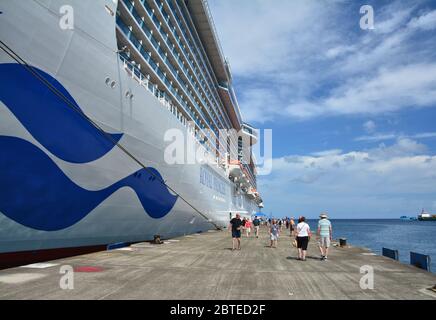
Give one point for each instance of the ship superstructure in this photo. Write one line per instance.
(171, 48)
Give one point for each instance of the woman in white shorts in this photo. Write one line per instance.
(274, 234)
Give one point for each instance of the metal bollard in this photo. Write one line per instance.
(342, 242)
(157, 240)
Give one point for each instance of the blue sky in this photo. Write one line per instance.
(353, 111)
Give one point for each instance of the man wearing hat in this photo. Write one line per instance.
(325, 235)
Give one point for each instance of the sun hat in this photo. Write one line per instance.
(323, 215)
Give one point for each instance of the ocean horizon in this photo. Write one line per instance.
(374, 234)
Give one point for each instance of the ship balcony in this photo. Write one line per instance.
(230, 103)
(251, 133)
(130, 16)
(242, 177)
(252, 193)
(235, 170)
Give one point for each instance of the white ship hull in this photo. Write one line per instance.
(81, 61)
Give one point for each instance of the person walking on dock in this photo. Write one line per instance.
(243, 224)
(324, 235)
(303, 236)
(235, 227)
(248, 227)
(292, 227)
(256, 224)
(274, 233)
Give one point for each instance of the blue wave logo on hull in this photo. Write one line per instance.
(34, 190)
(37, 194)
(51, 121)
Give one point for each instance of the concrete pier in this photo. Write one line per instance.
(204, 267)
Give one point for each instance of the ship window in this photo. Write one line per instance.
(109, 10)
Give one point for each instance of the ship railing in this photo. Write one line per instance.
(251, 176)
(127, 31)
(157, 46)
(214, 30)
(209, 146)
(163, 98)
(153, 88)
(204, 68)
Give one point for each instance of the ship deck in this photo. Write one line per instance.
(204, 267)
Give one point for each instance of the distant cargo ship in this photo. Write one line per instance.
(425, 216)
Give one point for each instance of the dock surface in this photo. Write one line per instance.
(204, 267)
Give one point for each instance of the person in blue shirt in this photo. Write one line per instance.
(324, 235)
(256, 224)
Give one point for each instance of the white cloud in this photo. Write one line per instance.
(338, 51)
(424, 135)
(369, 126)
(392, 18)
(403, 147)
(425, 22)
(261, 103)
(393, 136)
(259, 37)
(304, 59)
(377, 137)
(389, 90)
(271, 48)
(385, 181)
(325, 153)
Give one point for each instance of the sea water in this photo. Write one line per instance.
(404, 236)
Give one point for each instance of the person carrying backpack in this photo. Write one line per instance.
(256, 224)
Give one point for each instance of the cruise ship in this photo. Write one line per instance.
(93, 94)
